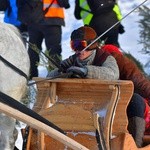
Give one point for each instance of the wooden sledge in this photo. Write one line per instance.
(84, 108)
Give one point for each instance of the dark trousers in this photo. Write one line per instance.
(104, 21)
(52, 36)
(136, 107)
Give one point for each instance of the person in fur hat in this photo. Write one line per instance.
(102, 63)
(90, 63)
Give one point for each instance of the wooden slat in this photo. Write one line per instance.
(52, 93)
(121, 120)
(43, 97)
(52, 144)
(109, 118)
(79, 137)
(69, 117)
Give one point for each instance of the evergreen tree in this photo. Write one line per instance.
(144, 24)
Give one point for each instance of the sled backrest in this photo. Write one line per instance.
(81, 104)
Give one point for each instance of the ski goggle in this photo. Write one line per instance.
(78, 45)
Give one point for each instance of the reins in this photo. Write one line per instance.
(13, 67)
(5, 99)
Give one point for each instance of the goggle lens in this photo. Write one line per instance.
(78, 45)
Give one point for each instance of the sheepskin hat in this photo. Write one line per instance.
(85, 33)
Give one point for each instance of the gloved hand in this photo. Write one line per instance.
(65, 64)
(53, 73)
(81, 71)
(121, 29)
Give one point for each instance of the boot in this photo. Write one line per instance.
(136, 128)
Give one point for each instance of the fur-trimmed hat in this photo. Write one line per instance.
(85, 33)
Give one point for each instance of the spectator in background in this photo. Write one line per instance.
(11, 17)
(100, 15)
(48, 29)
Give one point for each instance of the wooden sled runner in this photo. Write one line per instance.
(84, 108)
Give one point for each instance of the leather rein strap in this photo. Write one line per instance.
(13, 67)
(5, 99)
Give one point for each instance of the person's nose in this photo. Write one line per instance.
(78, 52)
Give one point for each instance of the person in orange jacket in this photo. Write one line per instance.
(129, 71)
(49, 30)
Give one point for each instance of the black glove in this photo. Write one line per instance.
(65, 64)
(53, 73)
(79, 71)
(121, 29)
(67, 6)
(64, 3)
